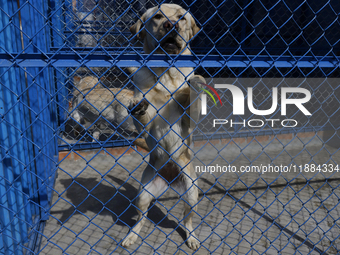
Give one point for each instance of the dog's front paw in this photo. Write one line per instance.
(193, 243)
(130, 239)
(139, 107)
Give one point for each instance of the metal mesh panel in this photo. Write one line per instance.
(67, 71)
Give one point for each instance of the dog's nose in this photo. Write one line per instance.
(169, 24)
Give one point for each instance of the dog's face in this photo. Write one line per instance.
(167, 28)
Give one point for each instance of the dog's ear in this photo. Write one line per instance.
(194, 27)
(135, 29)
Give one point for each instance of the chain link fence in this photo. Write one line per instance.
(66, 86)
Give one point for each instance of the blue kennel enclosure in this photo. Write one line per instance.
(47, 47)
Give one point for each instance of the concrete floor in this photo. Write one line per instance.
(269, 213)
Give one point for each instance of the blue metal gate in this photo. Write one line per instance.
(48, 48)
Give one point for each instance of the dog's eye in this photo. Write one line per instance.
(158, 16)
(181, 17)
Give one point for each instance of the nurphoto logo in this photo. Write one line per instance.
(239, 105)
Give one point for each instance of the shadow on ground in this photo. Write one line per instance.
(87, 194)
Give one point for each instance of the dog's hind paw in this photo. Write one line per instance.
(193, 243)
(139, 107)
(130, 239)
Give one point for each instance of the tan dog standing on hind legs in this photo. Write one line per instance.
(163, 111)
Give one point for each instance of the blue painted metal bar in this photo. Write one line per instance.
(212, 136)
(27, 16)
(5, 219)
(26, 148)
(88, 146)
(239, 134)
(73, 60)
(14, 169)
(42, 97)
(24, 179)
(13, 159)
(26, 116)
(41, 94)
(60, 74)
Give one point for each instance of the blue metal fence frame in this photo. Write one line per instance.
(29, 144)
(64, 60)
(28, 120)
